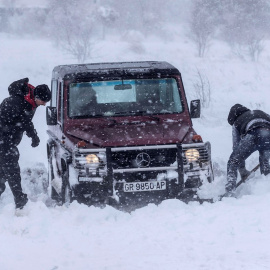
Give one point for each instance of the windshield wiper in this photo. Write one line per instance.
(142, 113)
(123, 113)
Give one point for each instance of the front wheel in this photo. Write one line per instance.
(66, 190)
(50, 189)
(210, 178)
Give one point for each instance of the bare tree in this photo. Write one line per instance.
(72, 24)
(79, 45)
(107, 15)
(202, 89)
(202, 24)
(150, 18)
(255, 47)
(245, 24)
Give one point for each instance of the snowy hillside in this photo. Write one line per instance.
(229, 234)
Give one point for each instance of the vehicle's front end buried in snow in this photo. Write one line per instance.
(141, 173)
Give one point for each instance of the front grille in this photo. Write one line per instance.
(140, 158)
(79, 160)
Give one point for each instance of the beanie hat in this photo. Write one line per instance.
(235, 112)
(43, 92)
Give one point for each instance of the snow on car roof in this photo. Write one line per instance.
(129, 67)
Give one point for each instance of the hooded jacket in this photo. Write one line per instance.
(16, 114)
(244, 120)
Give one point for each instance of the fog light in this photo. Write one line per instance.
(192, 155)
(92, 158)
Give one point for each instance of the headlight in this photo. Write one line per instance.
(192, 155)
(92, 158)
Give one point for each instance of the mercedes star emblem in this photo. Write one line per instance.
(143, 160)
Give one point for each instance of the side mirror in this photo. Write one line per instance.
(51, 116)
(195, 108)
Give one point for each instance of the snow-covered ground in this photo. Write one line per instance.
(229, 234)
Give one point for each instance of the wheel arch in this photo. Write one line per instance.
(66, 159)
(50, 145)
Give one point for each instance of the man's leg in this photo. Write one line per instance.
(2, 176)
(11, 170)
(264, 161)
(242, 170)
(245, 148)
(2, 187)
(263, 142)
(2, 183)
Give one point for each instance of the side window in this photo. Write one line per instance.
(54, 93)
(59, 103)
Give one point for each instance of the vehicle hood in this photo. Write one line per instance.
(133, 133)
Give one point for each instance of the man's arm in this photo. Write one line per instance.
(28, 126)
(10, 110)
(14, 117)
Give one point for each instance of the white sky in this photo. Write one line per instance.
(24, 3)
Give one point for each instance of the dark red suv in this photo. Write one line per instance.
(121, 133)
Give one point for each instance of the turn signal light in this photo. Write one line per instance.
(81, 144)
(197, 138)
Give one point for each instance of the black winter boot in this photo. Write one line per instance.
(20, 203)
(230, 189)
(243, 172)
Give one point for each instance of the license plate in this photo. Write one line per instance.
(144, 186)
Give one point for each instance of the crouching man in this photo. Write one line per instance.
(251, 132)
(16, 113)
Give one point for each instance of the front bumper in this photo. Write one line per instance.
(167, 163)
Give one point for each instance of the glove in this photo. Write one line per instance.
(35, 141)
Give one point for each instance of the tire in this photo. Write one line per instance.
(50, 189)
(211, 177)
(66, 190)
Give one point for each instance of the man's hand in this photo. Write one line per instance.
(35, 141)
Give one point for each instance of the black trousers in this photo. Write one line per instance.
(256, 140)
(10, 171)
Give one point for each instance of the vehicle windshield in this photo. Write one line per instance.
(124, 97)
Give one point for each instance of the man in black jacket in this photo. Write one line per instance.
(16, 113)
(251, 132)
